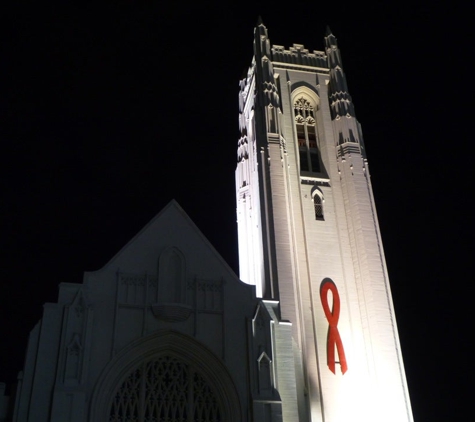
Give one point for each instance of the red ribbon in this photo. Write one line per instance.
(333, 337)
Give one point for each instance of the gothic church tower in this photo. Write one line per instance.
(309, 237)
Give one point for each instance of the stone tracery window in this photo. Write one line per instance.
(303, 108)
(165, 390)
(304, 113)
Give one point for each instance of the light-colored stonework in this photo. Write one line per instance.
(309, 235)
(167, 331)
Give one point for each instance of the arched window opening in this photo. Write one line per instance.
(174, 273)
(171, 276)
(306, 135)
(165, 389)
(318, 206)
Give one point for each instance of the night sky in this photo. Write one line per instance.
(110, 111)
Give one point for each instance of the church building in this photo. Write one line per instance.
(166, 331)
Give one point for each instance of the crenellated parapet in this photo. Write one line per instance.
(299, 55)
(309, 241)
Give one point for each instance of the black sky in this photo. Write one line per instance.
(110, 111)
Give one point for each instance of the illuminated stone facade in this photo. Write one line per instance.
(309, 235)
(163, 332)
(167, 331)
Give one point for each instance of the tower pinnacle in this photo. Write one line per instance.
(309, 241)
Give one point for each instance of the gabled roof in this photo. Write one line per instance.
(172, 227)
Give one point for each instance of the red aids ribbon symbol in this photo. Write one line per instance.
(333, 338)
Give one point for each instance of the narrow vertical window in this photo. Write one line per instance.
(171, 276)
(306, 136)
(318, 206)
(312, 147)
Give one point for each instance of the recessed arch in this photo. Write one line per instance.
(171, 276)
(316, 191)
(176, 347)
(306, 90)
(305, 103)
(318, 200)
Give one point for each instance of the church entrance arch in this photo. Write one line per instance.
(166, 377)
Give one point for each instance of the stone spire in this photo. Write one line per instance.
(261, 40)
(265, 81)
(340, 99)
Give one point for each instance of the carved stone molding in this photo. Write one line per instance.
(172, 312)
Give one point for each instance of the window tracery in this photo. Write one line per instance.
(305, 123)
(165, 390)
(303, 108)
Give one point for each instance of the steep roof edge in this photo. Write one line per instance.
(173, 203)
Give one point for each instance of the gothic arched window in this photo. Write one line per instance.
(304, 113)
(171, 276)
(165, 389)
(318, 206)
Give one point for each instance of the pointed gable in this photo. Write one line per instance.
(170, 228)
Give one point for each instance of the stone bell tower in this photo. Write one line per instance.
(309, 235)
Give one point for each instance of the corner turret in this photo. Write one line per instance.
(340, 99)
